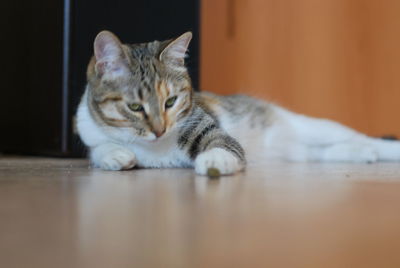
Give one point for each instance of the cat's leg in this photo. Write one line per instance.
(217, 150)
(207, 145)
(110, 156)
(351, 151)
(210, 147)
(362, 149)
(328, 141)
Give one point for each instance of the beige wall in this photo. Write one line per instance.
(338, 59)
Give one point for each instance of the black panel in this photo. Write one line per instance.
(31, 96)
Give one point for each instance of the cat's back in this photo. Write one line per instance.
(237, 109)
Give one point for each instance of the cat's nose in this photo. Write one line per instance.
(158, 127)
(159, 132)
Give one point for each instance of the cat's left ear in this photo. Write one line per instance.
(175, 51)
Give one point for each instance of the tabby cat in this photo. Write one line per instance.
(139, 110)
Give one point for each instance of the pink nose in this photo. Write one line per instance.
(159, 133)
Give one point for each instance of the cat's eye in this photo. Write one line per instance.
(170, 102)
(136, 107)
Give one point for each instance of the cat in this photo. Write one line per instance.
(139, 110)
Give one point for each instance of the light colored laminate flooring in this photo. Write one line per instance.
(57, 213)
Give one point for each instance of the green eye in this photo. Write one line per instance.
(136, 107)
(170, 102)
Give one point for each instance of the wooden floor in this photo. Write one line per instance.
(61, 213)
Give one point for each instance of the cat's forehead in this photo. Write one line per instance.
(145, 53)
(147, 87)
(144, 60)
(140, 50)
(149, 74)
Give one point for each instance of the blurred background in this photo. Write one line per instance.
(336, 59)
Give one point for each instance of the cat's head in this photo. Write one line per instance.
(144, 88)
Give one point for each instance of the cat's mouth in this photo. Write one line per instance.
(152, 137)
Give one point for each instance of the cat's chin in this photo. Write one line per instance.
(150, 138)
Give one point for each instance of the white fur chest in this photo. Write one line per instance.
(163, 153)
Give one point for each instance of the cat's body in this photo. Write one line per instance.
(168, 125)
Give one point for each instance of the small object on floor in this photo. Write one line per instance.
(213, 173)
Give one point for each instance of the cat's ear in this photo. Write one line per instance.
(175, 51)
(109, 54)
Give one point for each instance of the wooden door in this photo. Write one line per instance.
(336, 59)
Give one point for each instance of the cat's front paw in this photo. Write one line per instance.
(220, 159)
(111, 157)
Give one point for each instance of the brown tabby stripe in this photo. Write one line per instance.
(231, 145)
(195, 119)
(140, 93)
(195, 146)
(227, 143)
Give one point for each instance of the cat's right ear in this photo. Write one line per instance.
(109, 54)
